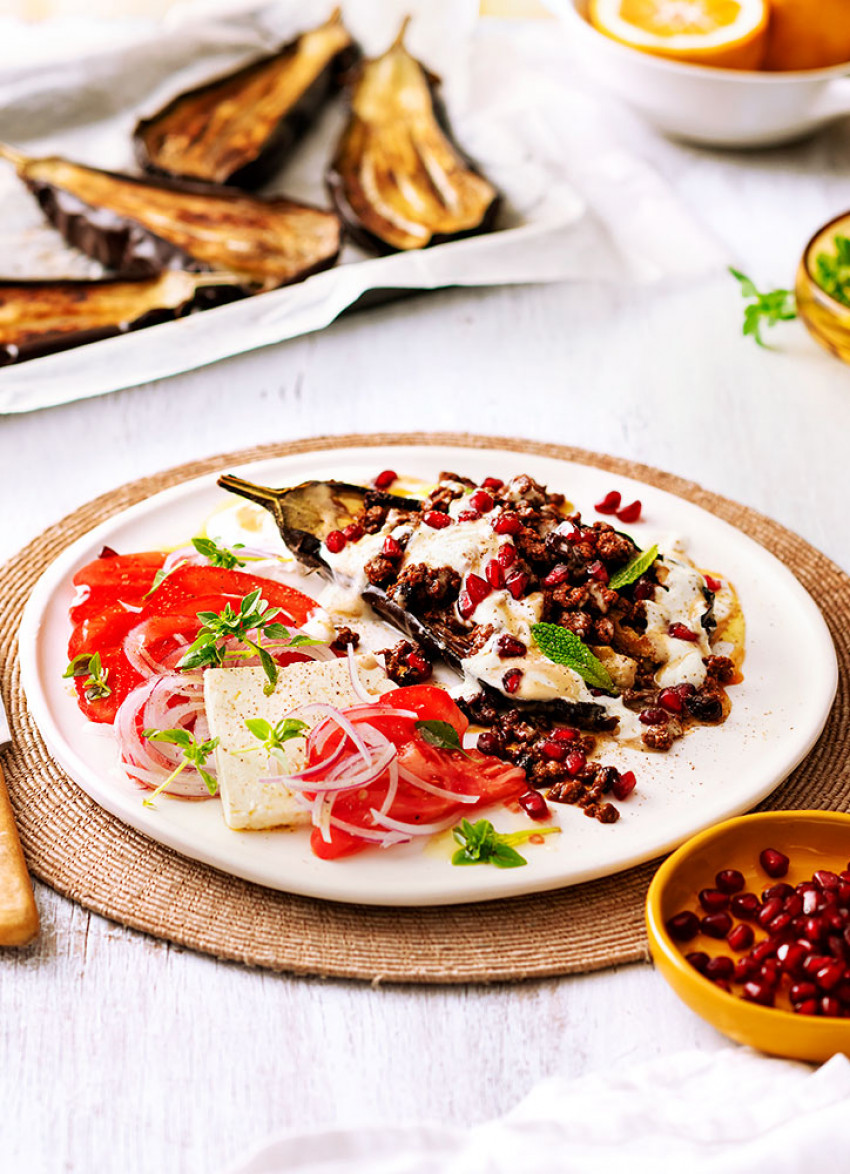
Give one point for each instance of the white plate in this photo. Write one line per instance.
(777, 713)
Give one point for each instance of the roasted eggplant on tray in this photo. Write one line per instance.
(397, 179)
(238, 129)
(138, 227)
(42, 316)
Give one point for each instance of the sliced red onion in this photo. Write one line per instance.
(413, 829)
(432, 789)
(332, 715)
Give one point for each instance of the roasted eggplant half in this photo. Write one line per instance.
(139, 227)
(397, 179)
(39, 317)
(306, 514)
(239, 129)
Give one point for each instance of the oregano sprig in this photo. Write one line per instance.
(480, 843)
(195, 754)
(89, 665)
(764, 309)
(272, 737)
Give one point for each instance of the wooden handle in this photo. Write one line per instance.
(18, 914)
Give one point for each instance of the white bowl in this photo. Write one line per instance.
(717, 107)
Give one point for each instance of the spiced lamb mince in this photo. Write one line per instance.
(474, 567)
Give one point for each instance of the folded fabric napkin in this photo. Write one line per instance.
(727, 1112)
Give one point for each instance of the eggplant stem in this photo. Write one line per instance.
(12, 155)
(398, 43)
(261, 494)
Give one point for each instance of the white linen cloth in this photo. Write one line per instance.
(727, 1112)
(578, 206)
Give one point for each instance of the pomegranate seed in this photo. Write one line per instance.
(492, 483)
(477, 588)
(716, 925)
(830, 1006)
(557, 751)
(740, 938)
(720, 967)
(391, 548)
(418, 663)
(610, 503)
(517, 584)
(713, 901)
(745, 969)
(722, 984)
(729, 880)
(436, 519)
(782, 890)
(511, 680)
(630, 513)
(506, 555)
(623, 786)
(495, 573)
(680, 632)
(468, 516)
(756, 992)
(534, 805)
(644, 590)
(811, 902)
(683, 926)
(779, 924)
(384, 480)
(763, 950)
(488, 743)
(558, 574)
(465, 605)
(598, 572)
(807, 1007)
(770, 973)
(774, 863)
(844, 893)
(712, 584)
(509, 646)
(507, 524)
(697, 959)
(802, 990)
(826, 879)
(745, 905)
(768, 911)
(575, 761)
(791, 956)
(481, 501)
(669, 699)
(336, 541)
(814, 963)
(654, 717)
(565, 735)
(685, 691)
(353, 531)
(830, 975)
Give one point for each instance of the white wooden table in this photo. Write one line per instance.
(118, 1052)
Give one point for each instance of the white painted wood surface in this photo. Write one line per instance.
(118, 1052)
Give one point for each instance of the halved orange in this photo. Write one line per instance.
(808, 35)
(727, 34)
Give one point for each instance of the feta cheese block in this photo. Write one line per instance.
(249, 797)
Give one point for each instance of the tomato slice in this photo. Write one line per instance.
(189, 589)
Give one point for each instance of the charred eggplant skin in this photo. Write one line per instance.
(71, 298)
(271, 149)
(130, 249)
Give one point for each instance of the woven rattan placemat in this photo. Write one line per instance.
(86, 854)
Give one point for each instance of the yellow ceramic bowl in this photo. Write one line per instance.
(827, 320)
(812, 840)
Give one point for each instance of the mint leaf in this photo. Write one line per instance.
(562, 646)
(765, 309)
(443, 735)
(480, 843)
(634, 568)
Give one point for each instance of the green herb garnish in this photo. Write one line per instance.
(219, 556)
(162, 575)
(832, 270)
(272, 738)
(89, 665)
(209, 648)
(764, 309)
(562, 646)
(443, 735)
(195, 754)
(480, 843)
(633, 569)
